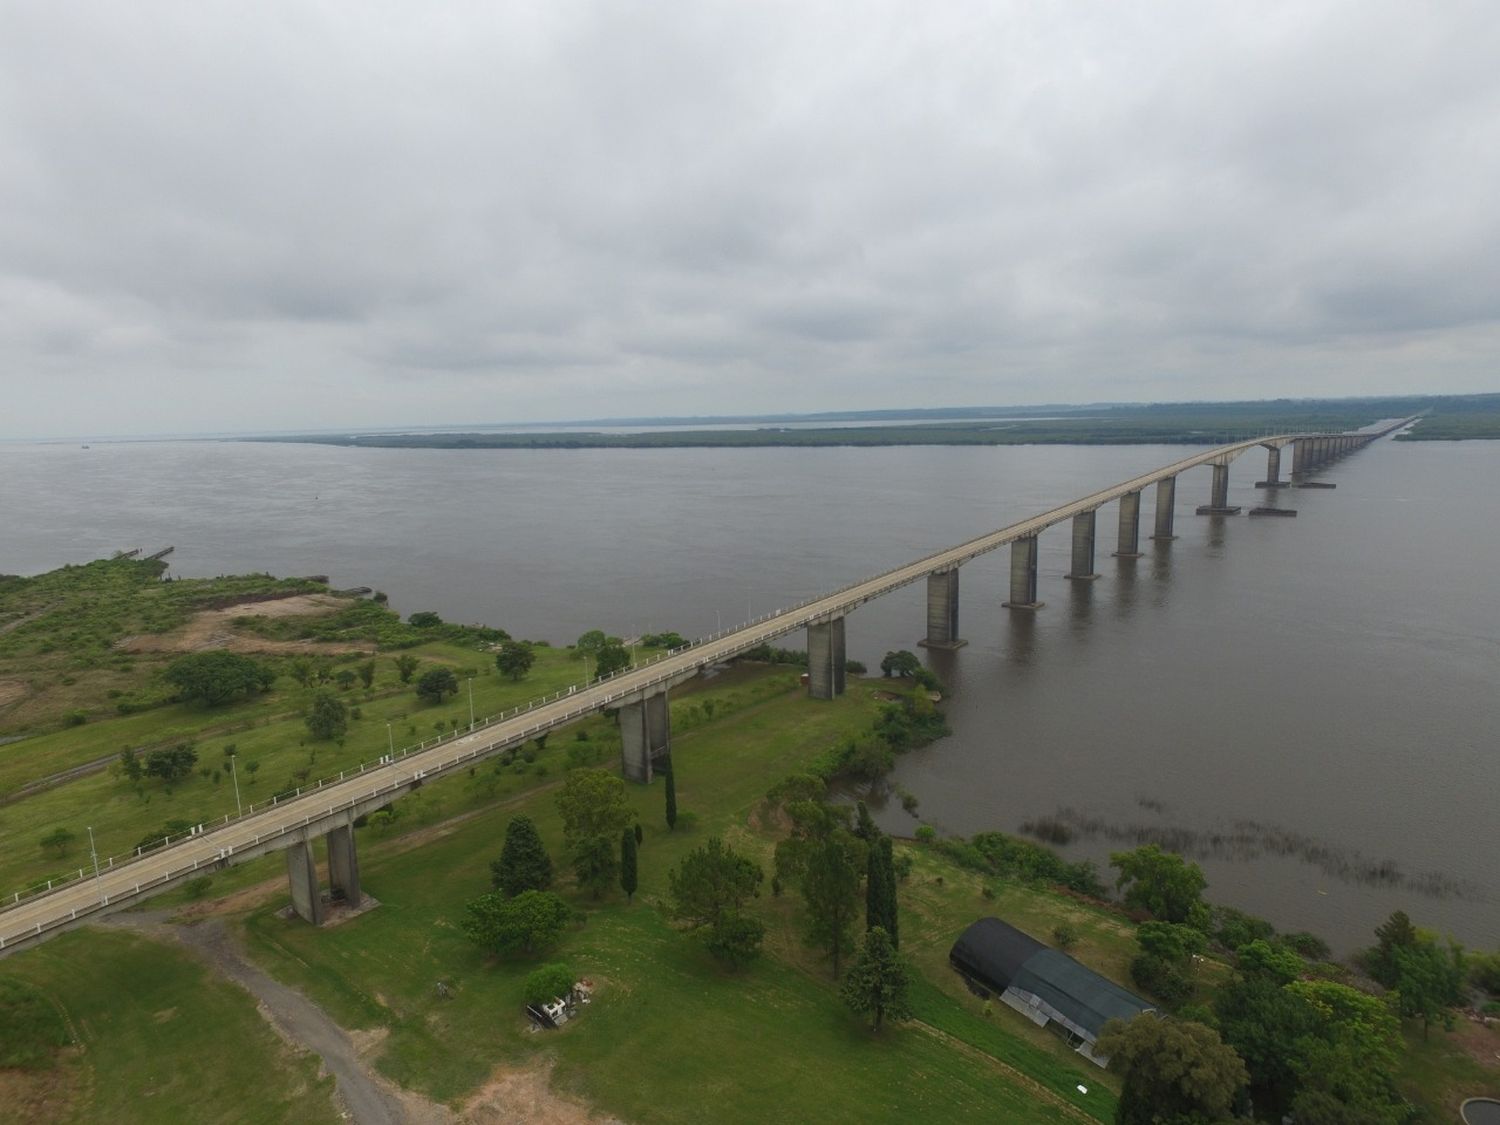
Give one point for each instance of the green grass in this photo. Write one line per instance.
(161, 1040)
(31, 1029)
(670, 1033)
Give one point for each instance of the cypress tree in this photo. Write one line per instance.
(640, 833)
(875, 885)
(888, 870)
(523, 864)
(864, 826)
(671, 796)
(628, 864)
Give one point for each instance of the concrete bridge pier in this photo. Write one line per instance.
(645, 736)
(1023, 574)
(1129, 546)
(1166, 508)
(1273, 468)
(942, 611)
(343, 864)
(1082, 568)
(825, 658)
(302, 874)
(1218, 504)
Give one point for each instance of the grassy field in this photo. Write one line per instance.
(697, 1036)
(158, 1038)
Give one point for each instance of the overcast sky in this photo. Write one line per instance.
(229, 216)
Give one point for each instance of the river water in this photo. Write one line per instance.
(1308, 706)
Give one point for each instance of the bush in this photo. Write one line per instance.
(75, 718)
(1064, 936)
(1161, 978)
(926, 834)
(548, 983)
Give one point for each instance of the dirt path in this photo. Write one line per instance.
(367, 1097)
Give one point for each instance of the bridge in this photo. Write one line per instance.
(330, 807)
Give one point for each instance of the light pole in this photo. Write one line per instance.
(239, 809)
(93, 853)
(471, 702)
(390, 738)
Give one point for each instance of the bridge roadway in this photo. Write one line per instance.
(333, 803)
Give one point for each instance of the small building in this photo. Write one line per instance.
(1045, 985)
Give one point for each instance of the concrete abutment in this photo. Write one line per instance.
(942, 611)
(825, 658)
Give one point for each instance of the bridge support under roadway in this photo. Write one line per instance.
(1023, 574)
(1166, 508)
(1218, 504)
(645, 736)
(1129, 545)
(942, 611)
(302, 874)
(343, 865)
(1082, 568)
(825, 658)
(1273, 469)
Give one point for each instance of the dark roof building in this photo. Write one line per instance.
(1046, 986)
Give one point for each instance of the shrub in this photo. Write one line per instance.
(926, 834)
(548, 983)
(1064, 936)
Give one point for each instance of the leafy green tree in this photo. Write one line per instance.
(424, 619)
(58, 842)
(1429, 982)
(530, 921)
(610, 659)
(1345, 1058)
(437, 684)
(1163, 883)
(345, 678)
(130, 765)
(628, 870)
(1395, 933)
(830, 888)
(367, 673)
(1175, 1070)
(214, 678)
(548, 983)
(327, 717)
(711, 881)
(406, 665)
(878, 981)
(880, 886)
(592, 641)
(172, 764)
(524, 864)
(594, 812)
(900, 663)
(515, 659)
(735, 940)
(301, 670)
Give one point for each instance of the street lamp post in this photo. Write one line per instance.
(239, 809)
(471, 702)
(390, 738)
(93, 852)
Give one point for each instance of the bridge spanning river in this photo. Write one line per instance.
(330, 807)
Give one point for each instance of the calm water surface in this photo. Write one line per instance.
(1308, 705)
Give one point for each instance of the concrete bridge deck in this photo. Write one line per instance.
(331, 806)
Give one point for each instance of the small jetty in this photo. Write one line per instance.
(1264, 511)
(163, 553)
(1316, 484)
(126, 554)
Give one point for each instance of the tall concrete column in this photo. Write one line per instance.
(302, 874)
(1218, 504)
(1299, 457)
(1273, 469)
(1166, 508)
(1083, 547)
(1130, 527)
(825, 659)
(942, 610)
(343, 865)
(645, 736)
(1023, 575)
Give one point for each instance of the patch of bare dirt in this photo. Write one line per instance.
(214, 628)
(42, 1095)
(525, 1094)
(1479, 1041)
(12, 690)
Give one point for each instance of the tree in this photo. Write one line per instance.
(437, 684)
(735, 940)
(880, 888)
(1163, 883)
(424, 619)
(515, 659)
(1162, 966)
(327, 717)
(524, 864)
(900, 663)
(526, 923)
(301, 670)
(628, 871)
(610, 659)
(214, 678)
(1175, 1070)
(671, 797)
(878, 981)
(130, 764)
(173, 764)
(548, 983)
(1429, 982)
(58, 842)
(345, 678)
(406, 664)
(712, 881)
(830, 888)
(594, 813)
(1395, 933)
(367, 673)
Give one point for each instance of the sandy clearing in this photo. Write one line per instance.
(526, 1094)
(214, 628)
